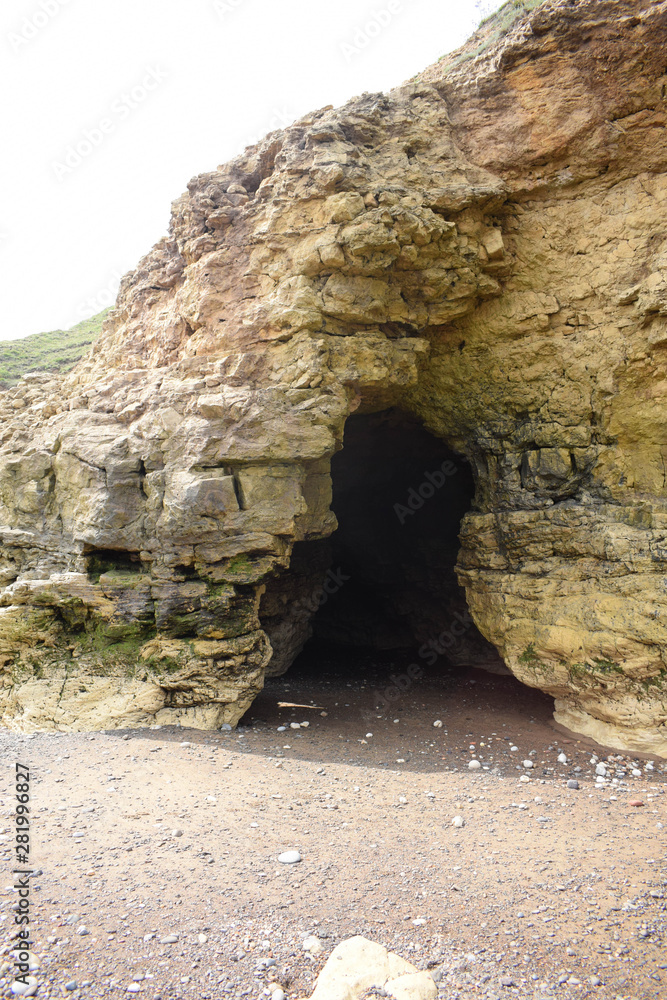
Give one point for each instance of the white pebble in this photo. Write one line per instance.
(438, 723)
(528, 764)
(514, 749)
(312, 945)
(636, 773)
(600, 769)
(524, 777)
(368, 735)
(289, 857)
(562, 758)
(27, 989)
(458, 822)
(177, 833)
(133, 988)
(304, 725)
(202, 938)
(474, 765)
(169, 939)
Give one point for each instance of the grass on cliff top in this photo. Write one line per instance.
(490, 30)
(56, 351)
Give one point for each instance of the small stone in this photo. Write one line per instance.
(438, 724)
(312, 945)
(169, 939)
(82, 930)
(595, 981)
(514, 749)
(226, 728)
(295, 725)
(177, 833)
(71, 986)
(458, 822)
(573, 981)
(282, 729)
(27, 989)
(524, 777)
(278, 994)
(289, 857)
(635, 802)
(304, 725)
(528, 764)
(636, 773)
(474, 765)
(202, 938)
(572, 783)
(133, 988)
(562, 758)
(507, 981)
(600, 769)
(402, 800)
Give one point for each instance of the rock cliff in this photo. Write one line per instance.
(482, 253)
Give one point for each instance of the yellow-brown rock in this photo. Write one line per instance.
(484, 248)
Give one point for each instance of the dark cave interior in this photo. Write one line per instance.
(385, 581)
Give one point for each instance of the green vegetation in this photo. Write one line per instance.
(491, 30)
(57, 351)
(503, 18)
(597, 666)
(529, 656)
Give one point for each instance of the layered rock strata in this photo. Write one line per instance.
(483, 249)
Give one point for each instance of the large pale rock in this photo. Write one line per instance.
(357, 965)
(482, 248)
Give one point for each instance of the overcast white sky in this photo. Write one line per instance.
(153, 92)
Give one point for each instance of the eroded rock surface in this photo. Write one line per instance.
(482, 249)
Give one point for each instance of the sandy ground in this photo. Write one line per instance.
(153, 833)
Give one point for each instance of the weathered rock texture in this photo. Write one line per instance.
(485, 250)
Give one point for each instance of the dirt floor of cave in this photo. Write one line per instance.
(541, 882)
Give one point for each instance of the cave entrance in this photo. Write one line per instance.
(382, 591)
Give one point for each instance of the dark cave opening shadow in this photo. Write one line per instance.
(380, 685)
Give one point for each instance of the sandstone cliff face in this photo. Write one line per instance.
(482, 249)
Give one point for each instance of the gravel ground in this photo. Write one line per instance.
(158, 848)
